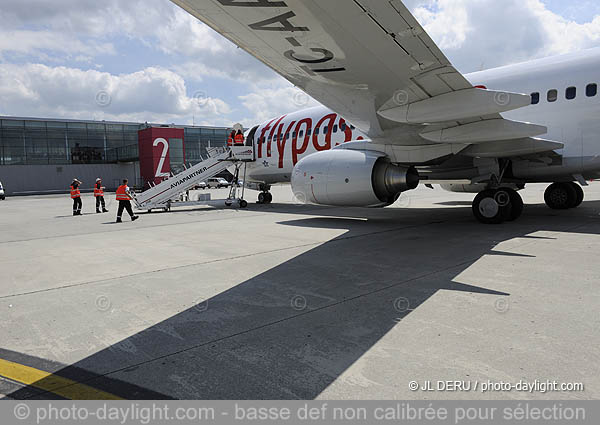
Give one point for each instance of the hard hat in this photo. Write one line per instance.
(98, 179)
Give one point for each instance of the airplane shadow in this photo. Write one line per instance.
(290, 332)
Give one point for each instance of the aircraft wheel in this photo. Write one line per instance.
(243, 204)
(265, 198)
(580, 195)
(560, 196)
(517, 205)
(492, 206)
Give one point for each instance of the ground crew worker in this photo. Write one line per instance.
(239, 138)
(124, 198)
(230, 138)
(99, 195)
(76, 197)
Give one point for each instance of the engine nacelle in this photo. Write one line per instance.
(344, 177)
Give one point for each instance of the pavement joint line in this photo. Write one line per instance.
(218, 260)
(304, 313)
(259, 214)
(75, 285)
(285, 319)
(51, 383)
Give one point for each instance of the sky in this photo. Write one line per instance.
(148, 60)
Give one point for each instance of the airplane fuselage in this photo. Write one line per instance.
(569, 105)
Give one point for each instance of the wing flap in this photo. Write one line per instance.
(492, 130)
(453, 106)
(512, 148)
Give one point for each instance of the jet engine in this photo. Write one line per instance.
(344, 177)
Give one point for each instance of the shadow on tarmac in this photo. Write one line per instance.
(290, 332)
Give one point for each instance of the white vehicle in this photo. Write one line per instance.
(2, 195)
(217, 183)
(415, 118)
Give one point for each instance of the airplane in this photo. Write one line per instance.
(396, 113)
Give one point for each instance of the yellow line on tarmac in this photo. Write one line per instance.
(49, 382)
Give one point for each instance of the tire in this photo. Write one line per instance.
(269, 197)
(488, 210)
(579, 194)
(262, 198)
(243, 204)
(560, 196)
(517, 205)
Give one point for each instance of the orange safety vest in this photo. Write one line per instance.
(122, 193)
(75, 193)
(239, 139)
(98, 191)
(230, 141)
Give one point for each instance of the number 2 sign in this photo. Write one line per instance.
(163, 156)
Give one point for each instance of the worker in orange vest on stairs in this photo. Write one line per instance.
(239, 138)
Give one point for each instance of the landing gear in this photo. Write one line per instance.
(580, 194)
(265, 198)
(562, 196)
(495, 206)
(517, 204)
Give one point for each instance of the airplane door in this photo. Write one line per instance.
(250, 142)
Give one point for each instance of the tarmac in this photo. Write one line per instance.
(288, 301)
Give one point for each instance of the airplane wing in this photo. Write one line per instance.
(370, 61)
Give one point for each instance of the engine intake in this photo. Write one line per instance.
(344, 177)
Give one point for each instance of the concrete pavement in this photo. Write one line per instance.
(292, 301)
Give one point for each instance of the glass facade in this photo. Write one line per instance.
(36, 141)
(197, 139)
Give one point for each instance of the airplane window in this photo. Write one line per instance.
(571, 93)
(301, 133)
(325, 129)
(287, 136)
(335, 128)
(535, 98)
(591, 90)
(552, 95)
(309, 132)
(317, 130)
(352, 127)
(294, 134)
(343, 127)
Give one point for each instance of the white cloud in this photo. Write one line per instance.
(42, 42)
(473, 33)
(153, 94)
(269, 101)
(491, 33)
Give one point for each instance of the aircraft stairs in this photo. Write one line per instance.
(172, 191)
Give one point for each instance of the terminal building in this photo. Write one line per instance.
(39, 156)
